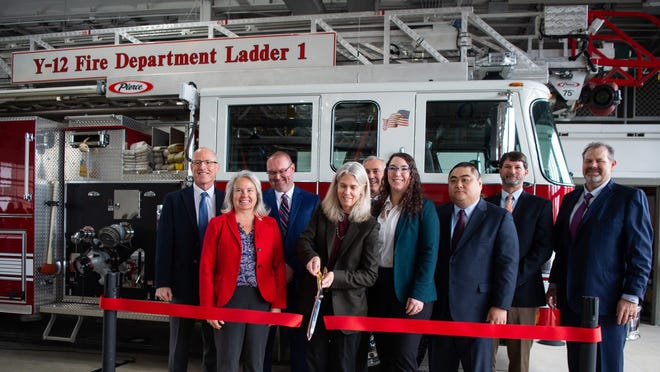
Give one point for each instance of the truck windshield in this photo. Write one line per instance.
(551, 156)
(459, 131)
(256, 131)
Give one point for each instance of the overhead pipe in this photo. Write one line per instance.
(8, 94)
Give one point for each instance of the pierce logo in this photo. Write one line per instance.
(568, 84)
(131, 87)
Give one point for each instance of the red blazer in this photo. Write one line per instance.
(221, 259)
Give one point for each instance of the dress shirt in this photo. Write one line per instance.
(278, 197)
(468, 213)
(388, 219)
(515, 195)
(210, 200)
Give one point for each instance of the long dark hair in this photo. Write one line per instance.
(413, 200)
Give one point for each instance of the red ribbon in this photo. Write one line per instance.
(197, 312)
(463, 329)
(359, 323)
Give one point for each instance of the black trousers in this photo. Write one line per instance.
(396, 351)
(330, 350)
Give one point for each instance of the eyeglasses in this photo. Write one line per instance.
(208, 163)
(394, 169)
(279, 171)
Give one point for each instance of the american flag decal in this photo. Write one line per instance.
(399, 118)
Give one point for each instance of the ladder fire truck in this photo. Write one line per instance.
(79, 199)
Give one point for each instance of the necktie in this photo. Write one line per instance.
(458, 229)
(509, 203)
(577, 217)
(284, 213)
(202, 216)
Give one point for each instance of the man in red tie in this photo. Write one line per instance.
(476, 273)
(533, 218)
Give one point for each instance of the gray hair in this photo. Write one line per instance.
(374, 157)
(260, 208)
(361, 211)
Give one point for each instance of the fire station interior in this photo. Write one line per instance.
(625, 114)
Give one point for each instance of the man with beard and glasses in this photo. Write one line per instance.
(533, 218)
(603, 241)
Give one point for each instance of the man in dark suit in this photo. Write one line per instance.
(476, 271)
(301, 205)
(178, 248)
(603, 242)
(533, 218)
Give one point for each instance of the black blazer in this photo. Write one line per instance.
(533, 218)
(177, 244)
(356, 265)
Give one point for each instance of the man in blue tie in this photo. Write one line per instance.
(603, 241)
(181, 227)
(292, 207)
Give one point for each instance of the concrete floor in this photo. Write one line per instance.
(25, 352)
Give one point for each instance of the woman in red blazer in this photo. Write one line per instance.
(242, 266)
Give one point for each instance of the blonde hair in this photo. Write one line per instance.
(260, 208)
(361, 211)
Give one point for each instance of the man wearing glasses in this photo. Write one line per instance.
(292, 207)
(179, 240)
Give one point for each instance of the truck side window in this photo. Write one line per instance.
(354, 131)
(458, 131)
(256, 131)
(551, 156)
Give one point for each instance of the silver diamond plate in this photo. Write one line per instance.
(563, 20)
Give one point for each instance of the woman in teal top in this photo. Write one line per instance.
(408, 246)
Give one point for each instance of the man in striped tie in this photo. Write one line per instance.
(292, 207)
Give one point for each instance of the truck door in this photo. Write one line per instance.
(16, 213)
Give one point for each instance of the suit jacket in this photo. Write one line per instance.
(533, 218)
(481, 271)
(221, 260)
(302, 206)
(356, 265)
(416, 242)
(177, 244)
(611, 252)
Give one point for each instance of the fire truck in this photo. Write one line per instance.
(82, 197)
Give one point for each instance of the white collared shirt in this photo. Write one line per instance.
(388, 219)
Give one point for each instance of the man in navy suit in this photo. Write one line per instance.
(533, 218)
(476, 271)
(603, 251)
(301, 204)
(178, 248)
